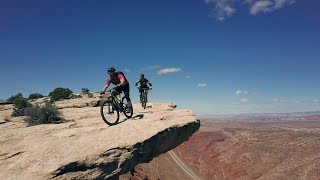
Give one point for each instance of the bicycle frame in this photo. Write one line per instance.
(145, 90)
(110, 108)
(144, 96)
(116, 101)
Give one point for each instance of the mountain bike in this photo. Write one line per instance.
(110, 108)
(144, 97)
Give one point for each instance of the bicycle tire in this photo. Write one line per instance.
(144, 99)
(109, 113)
(127, 111)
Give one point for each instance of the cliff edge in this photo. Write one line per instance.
(84, 146)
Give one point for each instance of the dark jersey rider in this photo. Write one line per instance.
(143, 84)
(122, 84)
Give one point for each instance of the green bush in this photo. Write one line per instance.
(20, 104)
(12, 98)
(85, 90)
(60, 93)
(47, 114)
(35, 96)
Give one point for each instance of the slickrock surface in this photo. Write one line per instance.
(86, 147)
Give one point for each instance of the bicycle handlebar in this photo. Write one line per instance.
(148, 88)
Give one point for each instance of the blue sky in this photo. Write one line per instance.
(211, 56)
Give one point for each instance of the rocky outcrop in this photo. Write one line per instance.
(3, 102)
(85, 147)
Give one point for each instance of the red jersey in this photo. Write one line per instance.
(116, 80)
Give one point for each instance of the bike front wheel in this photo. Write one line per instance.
(109, 113)
(144, 99)
(127, 110)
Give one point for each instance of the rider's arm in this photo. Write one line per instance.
(148, 82)
(122, 80)
(137, 83)
(106, 86)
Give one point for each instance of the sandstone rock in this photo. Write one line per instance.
(85, 147)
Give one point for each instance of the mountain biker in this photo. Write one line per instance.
(122, 84)
(143, 84)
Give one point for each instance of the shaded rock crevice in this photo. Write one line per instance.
(121, 160)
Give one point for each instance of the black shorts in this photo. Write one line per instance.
(125, 89)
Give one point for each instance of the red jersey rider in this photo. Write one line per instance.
(122, 84)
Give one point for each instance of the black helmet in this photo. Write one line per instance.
(142, 75)
(111, 71)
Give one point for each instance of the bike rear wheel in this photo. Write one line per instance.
(109, 113)
(127, 110)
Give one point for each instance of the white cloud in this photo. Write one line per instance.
(316, 100)
(202, 85)
(261, 6)
(238, 92)
(268, 5)
(281, 3)
(126, 70)
(241, 92)
(188, 77)
(168, 70)
(244, 100)
(223, 9)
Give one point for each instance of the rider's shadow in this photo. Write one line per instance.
(138, 116)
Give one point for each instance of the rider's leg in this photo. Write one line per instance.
(126, 90)
(118, 89)
(140, 90)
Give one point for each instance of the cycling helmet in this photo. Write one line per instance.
(111, 71)
(141, 75)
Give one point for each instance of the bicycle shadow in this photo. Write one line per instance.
(136, 117)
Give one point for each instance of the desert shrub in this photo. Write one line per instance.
(20, 104)
(60, 93)
(85, 90)
(47, 114)
(13, 97)
(7, 118)
(90, 95)
(35, 96)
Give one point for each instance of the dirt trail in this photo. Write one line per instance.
(183, 166)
